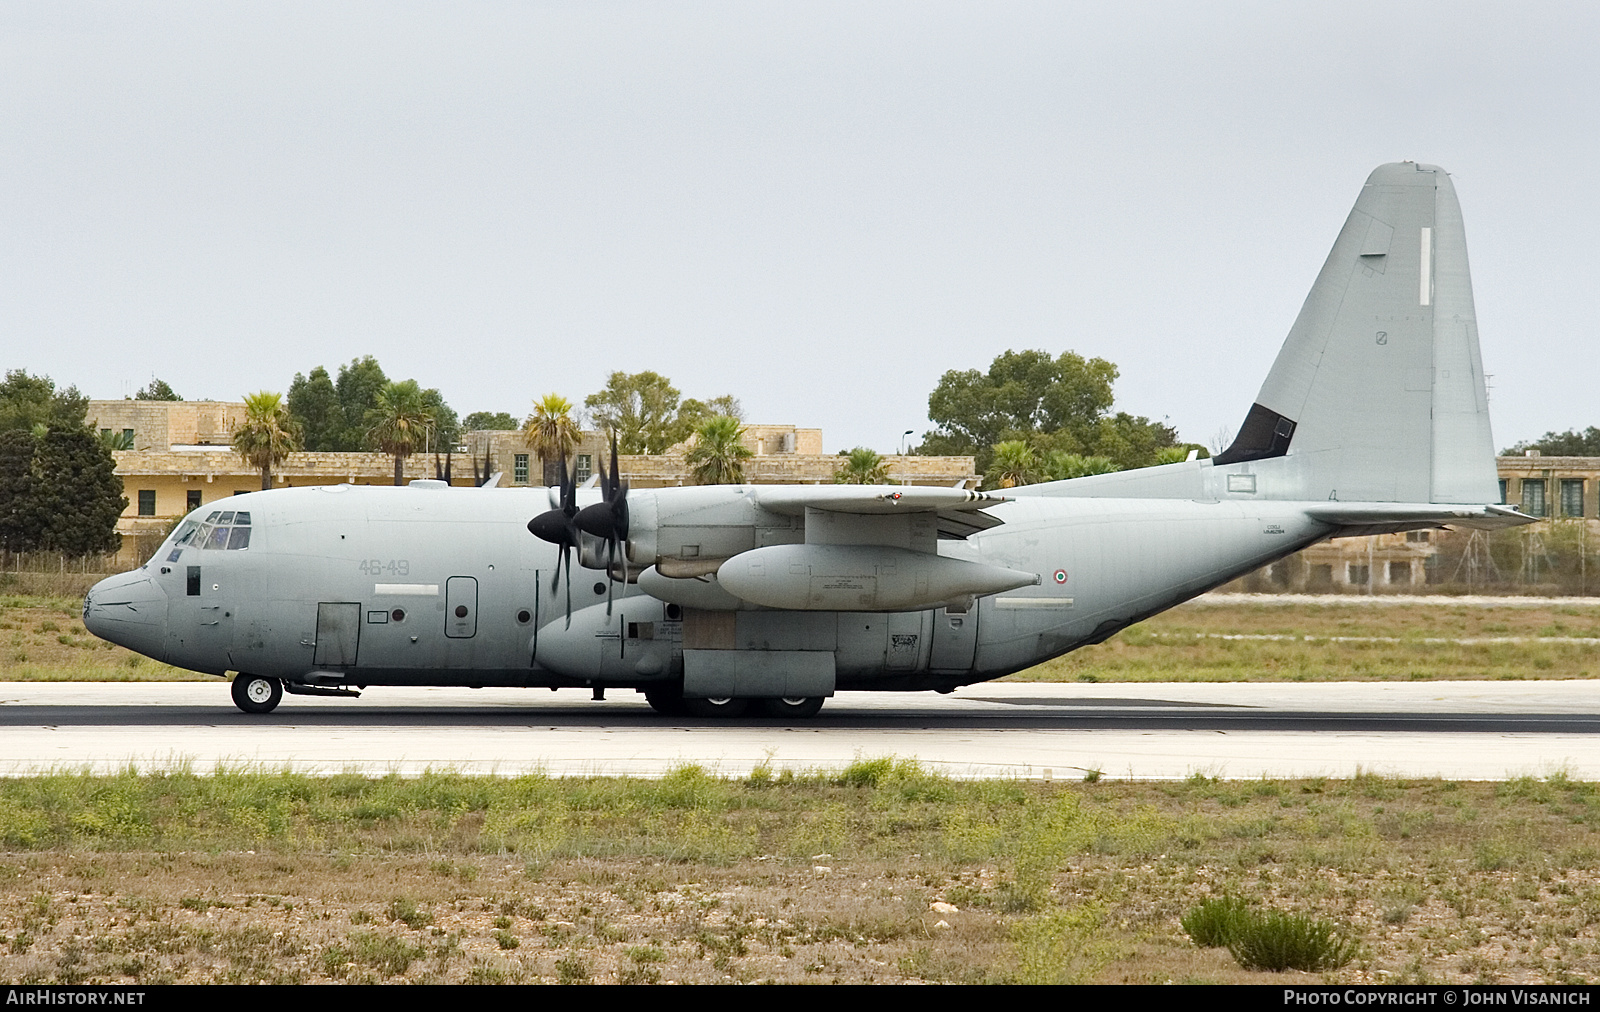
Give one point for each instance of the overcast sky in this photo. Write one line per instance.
(819, 208)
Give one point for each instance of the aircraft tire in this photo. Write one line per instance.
(667, 702)
(725, 707)
(257, 693)
(792, 708)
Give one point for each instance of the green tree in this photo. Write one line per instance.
(498, 421)
(1012, 463)
(314, 405)
(694, 413)
(400, 423)
(358, 387)
(551, 430)
(19, 531)
(1059, 403)
(77, 496)
(27, 401)
(269, 434)
(862, 466)
(640, 408)
(1571, 443)
(446, 425)
(718, 454)
(158, 390)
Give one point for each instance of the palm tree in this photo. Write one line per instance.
(862, 466)
(551, 430)
(1060, 465)
(400, 423)
(269, 434)
(719, 453)
(1014, 464)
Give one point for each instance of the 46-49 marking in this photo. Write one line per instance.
(394, 567)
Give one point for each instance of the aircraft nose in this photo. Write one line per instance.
(130, 610)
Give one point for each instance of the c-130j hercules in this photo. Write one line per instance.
(712, 600)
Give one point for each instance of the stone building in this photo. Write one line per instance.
(182, 458)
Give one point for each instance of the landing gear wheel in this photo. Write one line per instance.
(792, 707)
(257, 694)
(724, 707)
(667, 702)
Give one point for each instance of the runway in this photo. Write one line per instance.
(1457, 730)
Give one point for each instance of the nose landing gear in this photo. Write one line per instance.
(256, 693)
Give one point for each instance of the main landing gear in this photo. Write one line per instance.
(256, 693)
(669, 702)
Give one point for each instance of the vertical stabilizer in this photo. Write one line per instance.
(1378, 393)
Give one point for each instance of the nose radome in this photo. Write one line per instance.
(130, 610)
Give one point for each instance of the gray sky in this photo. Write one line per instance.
(817, 207)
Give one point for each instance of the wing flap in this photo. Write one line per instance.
(793, 500)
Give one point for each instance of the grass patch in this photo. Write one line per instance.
(244, 877)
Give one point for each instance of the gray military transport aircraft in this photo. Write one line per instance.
(711, 600)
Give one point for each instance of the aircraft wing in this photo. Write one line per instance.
(959, 511)
(893, 499)
(1391, 517)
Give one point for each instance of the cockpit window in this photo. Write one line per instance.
(185, 532)
(213, 516)
(220, 535)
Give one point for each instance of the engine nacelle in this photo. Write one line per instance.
(860, 578)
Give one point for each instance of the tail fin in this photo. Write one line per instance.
(1378, 393)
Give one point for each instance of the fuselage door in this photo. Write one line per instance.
(338, 634)
(461, 607)
(955, 640)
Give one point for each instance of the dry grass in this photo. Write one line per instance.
(42, 639)
(277, 877)
(1346, 643)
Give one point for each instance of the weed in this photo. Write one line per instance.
(1215, 922)
(1281, 941)
(571, 969)
(406, 911)
(506, 940)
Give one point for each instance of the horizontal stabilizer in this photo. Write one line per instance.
(1403, 515)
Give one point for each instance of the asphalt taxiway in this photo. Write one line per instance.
(1458, 730)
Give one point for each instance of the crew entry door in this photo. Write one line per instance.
(338, 634)
(461, 607)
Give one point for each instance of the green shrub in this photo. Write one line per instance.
(1215, 922)
(1279, 941)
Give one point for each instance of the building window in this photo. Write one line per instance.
(127, 439)
(519, 473)
(1417, 536)
(147, 502)
(585, 467)
(1572, 497)
(1502, 491)
(1400, 573)
(1533, 497)
(1357, 573)
(194, 498)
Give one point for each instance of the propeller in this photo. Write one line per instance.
(557, 526)
(442, 473)
(608, 520)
